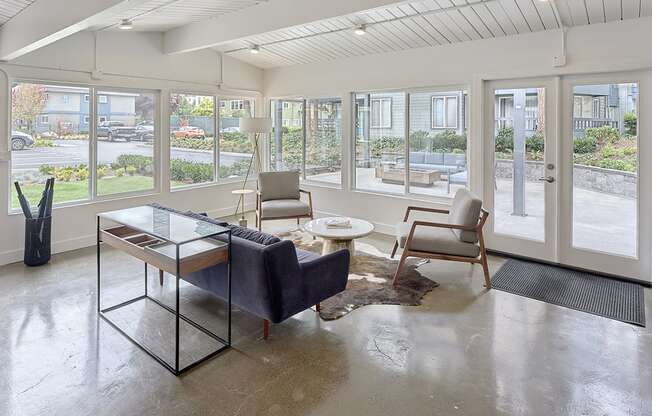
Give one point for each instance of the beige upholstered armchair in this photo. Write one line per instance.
(459, 239)
(279, 197)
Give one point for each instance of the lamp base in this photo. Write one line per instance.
(242, 222)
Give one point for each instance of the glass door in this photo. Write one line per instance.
(286, 145)
(521, 166)
(603, 223)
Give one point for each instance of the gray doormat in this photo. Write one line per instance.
(582, 291)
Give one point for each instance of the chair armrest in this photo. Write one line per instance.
(443, 225)
(325, 276)
(309, 198)
(435, 210)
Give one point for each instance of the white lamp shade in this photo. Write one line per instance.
(256, 125)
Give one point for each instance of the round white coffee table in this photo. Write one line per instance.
(339, 238)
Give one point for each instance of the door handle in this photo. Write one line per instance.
(548, 179)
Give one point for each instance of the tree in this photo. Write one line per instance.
(27, 102)
(204, 108)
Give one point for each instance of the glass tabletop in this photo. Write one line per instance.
(166, 225)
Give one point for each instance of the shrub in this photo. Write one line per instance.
(618, 164)
(39, 142)
(235, 142)
(143, 165)
(505, 140)
(190, 172)
(583, 145)
(194, 143)
(131, 170)
(448, 141)
(604, 134)
(535, 143)
(630, 121)
(119, 172)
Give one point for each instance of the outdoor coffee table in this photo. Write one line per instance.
(418, 177)
(339, 238)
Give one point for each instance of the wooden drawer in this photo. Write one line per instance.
(194, 256)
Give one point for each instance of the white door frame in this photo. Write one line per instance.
(548, 249)
(636, 268)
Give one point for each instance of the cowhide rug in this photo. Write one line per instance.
(370, 279)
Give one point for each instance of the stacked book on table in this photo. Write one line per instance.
(338, 223)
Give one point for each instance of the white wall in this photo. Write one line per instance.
(126, 60)
(590, 49)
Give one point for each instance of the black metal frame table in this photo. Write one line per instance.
(165, 234)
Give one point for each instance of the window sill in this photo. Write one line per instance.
(319, 184)
(221, 183)
(442, 200)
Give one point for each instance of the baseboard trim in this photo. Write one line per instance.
(76, 243)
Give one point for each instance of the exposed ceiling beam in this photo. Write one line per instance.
(45, 22)
(262, 18)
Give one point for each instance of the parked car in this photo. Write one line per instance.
(20, 140)
(189, 131)
(113, 130)
(231, 130)
(145, 131)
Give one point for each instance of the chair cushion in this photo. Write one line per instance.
(253, 235)
(465, 210)
(434, 159)
(278, 185)
(305, 256)
(417, 157)
(435, 240)
(285, 208)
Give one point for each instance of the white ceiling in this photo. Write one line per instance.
(10, 8)
(162, 15)
(473, 20)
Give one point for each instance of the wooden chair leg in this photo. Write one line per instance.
(265, 329)
(398, 268)
(260, 224)
(318, 307)
(160, 277)
(394, 249)
(485, 270)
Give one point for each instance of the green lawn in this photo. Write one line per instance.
(78, 190)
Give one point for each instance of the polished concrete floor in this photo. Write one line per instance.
(465, 351)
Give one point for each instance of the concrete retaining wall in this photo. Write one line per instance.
(608, 181)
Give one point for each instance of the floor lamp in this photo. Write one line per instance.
(256, 126)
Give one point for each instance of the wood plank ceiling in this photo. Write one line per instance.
(413, 25)
(10, 8)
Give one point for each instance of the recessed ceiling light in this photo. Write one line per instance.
(126, 24)
(254, 49)
(360, 30)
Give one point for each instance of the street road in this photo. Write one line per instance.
(75, 152)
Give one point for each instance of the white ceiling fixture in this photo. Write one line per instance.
(360, 30)
(254, 50)
(126, 25)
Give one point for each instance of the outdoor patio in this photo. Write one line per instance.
(601, 221)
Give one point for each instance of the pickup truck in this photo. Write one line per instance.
(113, 130)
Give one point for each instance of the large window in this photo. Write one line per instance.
(235, 147)
(381, 113)
(192, 139)
(435, 162)
(50, 138)
(314, 149)
(125, 142)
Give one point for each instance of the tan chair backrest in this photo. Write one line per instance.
(278, 185)
(465, 210)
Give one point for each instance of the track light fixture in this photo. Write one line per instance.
(126, 24)
(360, 30)
(254, 49)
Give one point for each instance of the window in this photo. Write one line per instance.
(434, 163)
(86, 98)
(286, 143)
(103, 99)
(437, 159)
(236, 148)
(381, 113)
(444, 112)
(65, 99)
(237, 104)
(101, 119)
(323, 154)
(123, 166)
(86, 119)
(66, 160)
(379, 152)
(192, 139)
(577, 106)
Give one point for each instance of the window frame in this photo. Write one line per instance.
(219, 103)
(433, 109)
(380, 101)
(102, 99)
(406, 194)
(92, 196)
